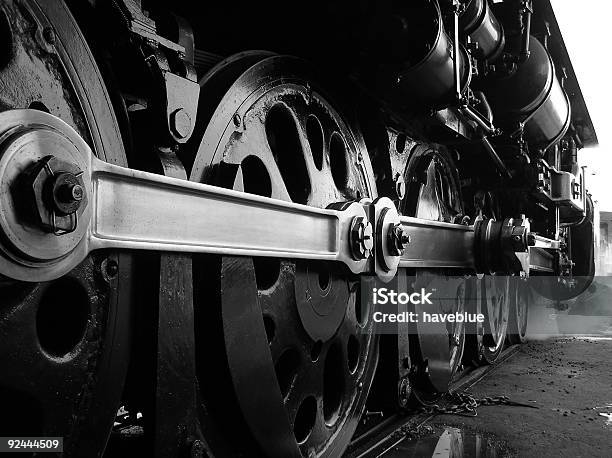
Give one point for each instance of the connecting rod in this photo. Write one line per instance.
(78, 204)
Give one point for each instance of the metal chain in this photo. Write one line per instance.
(465, 405)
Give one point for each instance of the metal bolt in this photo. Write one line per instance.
(49, 35)
(58, 193)
(400, 187)
(109, 269)
(71, 192)
(112, 268)
(516, 239)
(67, 193)
(237, 119)
(197, 449)
(531, 240)
(180, 122)
(397, 240)
(404, 391)
(361, 238)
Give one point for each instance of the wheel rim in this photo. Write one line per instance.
(432, 193)
(517, 324)
(275, 134)
(495, 303)
(65, 342)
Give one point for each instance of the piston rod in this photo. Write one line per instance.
(427, 236)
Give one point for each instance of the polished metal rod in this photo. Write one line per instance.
(435, 244)
(140, 210)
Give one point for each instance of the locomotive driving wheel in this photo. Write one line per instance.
(433, 193)
(65, 343)
(520, 296)
(284, 343)
(493, 298)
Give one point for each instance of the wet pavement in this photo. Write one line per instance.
(447, 441)
(569, 379)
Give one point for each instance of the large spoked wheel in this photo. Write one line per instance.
(520, 295)
(65, 343)
(432, 193)
(298, 350)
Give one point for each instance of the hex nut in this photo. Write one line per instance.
(180, 123)
(48, 182)
(361, 238)
(397, 240)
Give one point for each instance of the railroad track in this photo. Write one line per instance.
(391, 431)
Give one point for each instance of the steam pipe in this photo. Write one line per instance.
(473, 115)
(487, 108)
(525, 14)
(495, 158)
(456, 65)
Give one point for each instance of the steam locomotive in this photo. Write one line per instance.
(197, 198)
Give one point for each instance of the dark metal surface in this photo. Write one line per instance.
(581, 119)
(532, 95)
(176, 402)
(253, 376)
(66, 342)
(431, 80)
(481, 25)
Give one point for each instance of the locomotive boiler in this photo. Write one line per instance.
(197, 200)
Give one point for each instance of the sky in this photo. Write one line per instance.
(585, 26)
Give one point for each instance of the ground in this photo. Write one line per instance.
(568, 379)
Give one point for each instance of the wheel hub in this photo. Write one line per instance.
(34, 186)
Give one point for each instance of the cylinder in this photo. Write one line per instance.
(427, 72)
(533, 95)
(480, 24)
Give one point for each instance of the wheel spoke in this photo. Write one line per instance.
(253, 143)
(308, 382)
